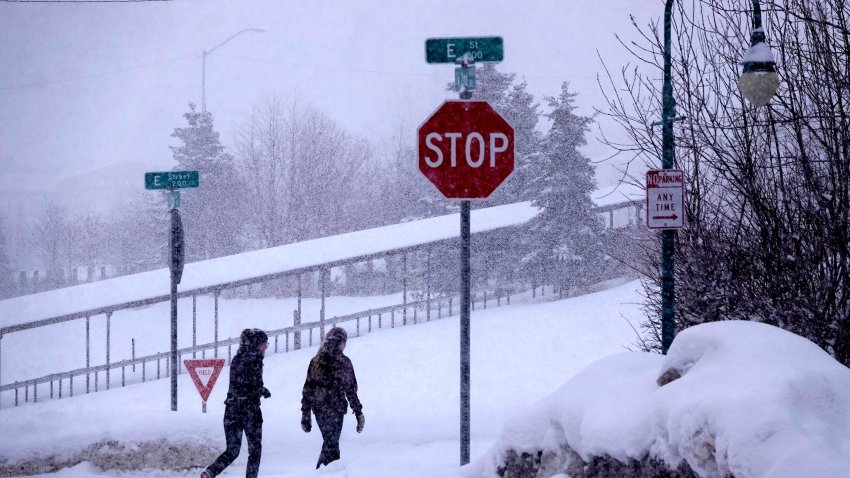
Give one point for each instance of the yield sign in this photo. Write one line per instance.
(204, 373)
(665, 198)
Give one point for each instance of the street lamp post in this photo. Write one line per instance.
(758, 84)
(204, 63)
(668, 158)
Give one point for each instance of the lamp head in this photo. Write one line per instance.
(759, 81)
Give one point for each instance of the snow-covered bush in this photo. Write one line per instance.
(739, 399)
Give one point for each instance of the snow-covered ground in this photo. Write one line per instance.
(409, 385)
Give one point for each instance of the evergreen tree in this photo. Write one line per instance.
(564, 238)
(517, 106)
(492, 86)
(211, 213)
(521, 111)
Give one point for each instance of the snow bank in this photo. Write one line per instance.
(739, 398)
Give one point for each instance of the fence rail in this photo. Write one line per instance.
(396, 313)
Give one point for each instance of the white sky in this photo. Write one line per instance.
(86, 85)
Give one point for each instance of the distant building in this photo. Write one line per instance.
(102, 191)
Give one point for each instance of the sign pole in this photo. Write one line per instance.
(173, 181)
(467, 132)
(668, 159)
(175, 225)
(464, 330)
(465, 246)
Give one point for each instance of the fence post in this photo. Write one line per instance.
(51, 388)
(194, 326)
(358, 326)
(133, 352)
(296, 321)
(428, 287)
(404, 289)
(296, 339)
(143, 372)
(392, 318)
(510, 285)
(108, 321)
(287, 340)
(215, 327)
(70, 386)
(379, 321)
(370, 322)
(88, 354)
(322, 311)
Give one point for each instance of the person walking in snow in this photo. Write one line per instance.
(242, 406)
(329, 389)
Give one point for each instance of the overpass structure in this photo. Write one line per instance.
(82, 302)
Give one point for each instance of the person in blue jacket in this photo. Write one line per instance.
(242, 406)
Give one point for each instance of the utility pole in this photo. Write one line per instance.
(204, 64)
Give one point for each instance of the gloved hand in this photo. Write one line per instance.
(266, 393)
(306, 422)
(361, 422)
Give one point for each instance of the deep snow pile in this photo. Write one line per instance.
(746, 400)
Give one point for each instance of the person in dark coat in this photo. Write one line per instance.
(328, 391)
(242, 406)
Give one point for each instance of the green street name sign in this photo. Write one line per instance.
(171, 180)
(447, 50)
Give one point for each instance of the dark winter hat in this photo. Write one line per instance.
(253, 338)
(337, 334)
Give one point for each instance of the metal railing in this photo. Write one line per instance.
(365, 321)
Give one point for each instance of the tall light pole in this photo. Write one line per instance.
(204, 64)
(668, 158)
(758, 84)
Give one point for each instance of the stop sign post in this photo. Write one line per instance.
(466, 149)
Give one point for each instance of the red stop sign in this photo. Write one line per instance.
(466, 149)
